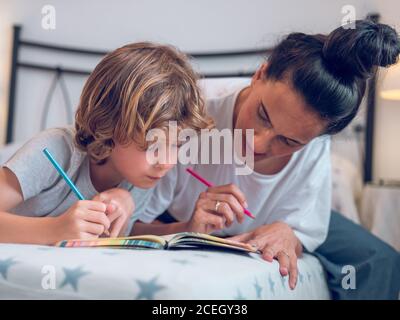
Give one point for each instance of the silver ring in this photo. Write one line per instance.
(217, 206)
(285, 253)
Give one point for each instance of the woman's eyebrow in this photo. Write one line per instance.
(272, 126)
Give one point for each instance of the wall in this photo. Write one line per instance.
(190, 25)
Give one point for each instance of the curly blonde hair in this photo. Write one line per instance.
(134, 89)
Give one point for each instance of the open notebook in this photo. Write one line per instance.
(178, 240)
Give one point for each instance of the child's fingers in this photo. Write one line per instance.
(93, 228)
(87, 235)
(117, 227)
(93, 205)
(111, 208)
(99, 218)
(113, 216)
(230, 189)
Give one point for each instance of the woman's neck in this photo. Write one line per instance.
(104, 177)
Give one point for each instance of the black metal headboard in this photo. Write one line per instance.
(16, 64)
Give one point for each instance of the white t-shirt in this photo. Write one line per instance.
(299, 195)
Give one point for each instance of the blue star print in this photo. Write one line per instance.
(148, 288)
(258, 289)
(271, 285)
(5, 265)
(72, 277)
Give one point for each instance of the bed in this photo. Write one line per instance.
(40, 272)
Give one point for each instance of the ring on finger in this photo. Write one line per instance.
(283, 252)
(217, 204)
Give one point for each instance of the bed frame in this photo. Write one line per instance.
(59, 71)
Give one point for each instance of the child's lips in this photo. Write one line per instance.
(154, 178)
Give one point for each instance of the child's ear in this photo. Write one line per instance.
(260, 73)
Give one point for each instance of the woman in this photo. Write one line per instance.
(310, 88)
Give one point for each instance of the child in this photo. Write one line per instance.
(133, 89)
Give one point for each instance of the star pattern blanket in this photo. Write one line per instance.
(40, 272)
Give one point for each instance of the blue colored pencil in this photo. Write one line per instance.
(63, 174)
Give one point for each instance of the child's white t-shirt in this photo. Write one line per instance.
(299, 195)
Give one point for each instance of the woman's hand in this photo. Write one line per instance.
(276, 240)
(120, 207)
(86, 219)
(217, 208)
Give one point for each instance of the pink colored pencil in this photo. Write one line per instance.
(209, 184)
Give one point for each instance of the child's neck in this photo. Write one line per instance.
(104, 177)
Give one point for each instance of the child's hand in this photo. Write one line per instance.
(217, 208)
(86, 219)
(120, 207)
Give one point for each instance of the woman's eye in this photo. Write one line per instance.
(288, 142)
(262, 114)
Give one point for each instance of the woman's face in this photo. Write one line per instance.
(282, 121)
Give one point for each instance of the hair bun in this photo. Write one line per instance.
(356, 52)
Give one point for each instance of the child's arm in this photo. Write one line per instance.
(85, 219)
(140, 228)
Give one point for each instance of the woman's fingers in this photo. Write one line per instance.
(210, 221)
(243, 237)
(222, 209)
(268, 252)
(229, 199)
(284, 263)
(293, 271)
(230, 189)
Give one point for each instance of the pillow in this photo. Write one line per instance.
(218, 87)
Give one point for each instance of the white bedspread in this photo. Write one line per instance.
(39, 272)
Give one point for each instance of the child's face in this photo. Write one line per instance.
(131, 163)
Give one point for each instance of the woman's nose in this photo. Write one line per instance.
(263, 140)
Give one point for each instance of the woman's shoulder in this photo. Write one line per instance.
(315, 155)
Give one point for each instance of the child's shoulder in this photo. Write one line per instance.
(58, 139)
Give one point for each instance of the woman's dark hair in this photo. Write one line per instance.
(330, 71)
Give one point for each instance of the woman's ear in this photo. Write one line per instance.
(259, 74)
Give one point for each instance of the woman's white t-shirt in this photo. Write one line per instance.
(299, 195)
